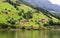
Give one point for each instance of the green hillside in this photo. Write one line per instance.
(24, 16)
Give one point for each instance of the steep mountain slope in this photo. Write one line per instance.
(24, 16)
(54, 9)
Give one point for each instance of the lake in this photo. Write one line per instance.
(30, 34)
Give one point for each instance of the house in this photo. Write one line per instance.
(23, 22)
(43, 20)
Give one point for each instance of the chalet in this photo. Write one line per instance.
(43, 20)
(23, 21)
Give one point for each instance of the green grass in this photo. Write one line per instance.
(12, 14)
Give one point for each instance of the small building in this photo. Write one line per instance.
(23, 21)
(43, 20)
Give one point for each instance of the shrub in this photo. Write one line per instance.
(21, 13)
(51, 22)
(12, 21)
(28, 15)
(23, 27)
(3, 25)
(5, 8)
(6, 12)
(9, 10)
(47, 24)
(13, 26)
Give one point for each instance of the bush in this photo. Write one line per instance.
(23, 27)
(11, 21)
(9, 10)
(3, 25)
(13, 26)
(21, 13)
(28, 15)
(6, 12)
(51, 22)
(5, 8)
(47, 24)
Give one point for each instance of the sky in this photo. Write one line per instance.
(55, 2)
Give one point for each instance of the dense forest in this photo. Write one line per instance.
(15, 14)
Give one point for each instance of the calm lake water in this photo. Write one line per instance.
(30, 34)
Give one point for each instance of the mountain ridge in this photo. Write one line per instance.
(45, 4)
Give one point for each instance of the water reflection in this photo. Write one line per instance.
(7, 34)
(30, 34)
(53, 34)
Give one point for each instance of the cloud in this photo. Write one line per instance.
(55, 2)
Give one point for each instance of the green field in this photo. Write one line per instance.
(23, 16)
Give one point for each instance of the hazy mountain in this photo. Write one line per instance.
(45, 4)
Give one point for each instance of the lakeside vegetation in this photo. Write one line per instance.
(21, 16)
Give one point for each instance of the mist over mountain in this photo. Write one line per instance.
(46, 4)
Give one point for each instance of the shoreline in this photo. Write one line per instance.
(27, 29)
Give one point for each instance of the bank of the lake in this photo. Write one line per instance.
(23, 28)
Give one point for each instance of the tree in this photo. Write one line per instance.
(28, 15)
(51, 22)
(21, 13)
(12, 21)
